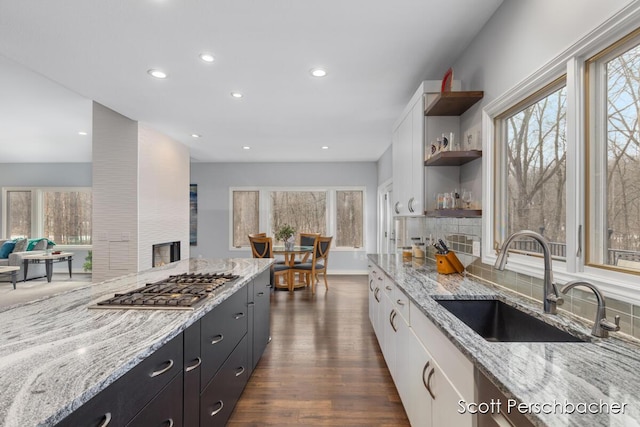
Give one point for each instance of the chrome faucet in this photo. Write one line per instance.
(551, 297)
(601, 325)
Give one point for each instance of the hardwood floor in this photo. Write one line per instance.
(323, 365)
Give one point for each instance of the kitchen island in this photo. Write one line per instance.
(545, 377)
(57, 353)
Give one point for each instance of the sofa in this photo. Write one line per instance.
(15, 257)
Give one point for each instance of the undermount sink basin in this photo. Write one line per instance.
(496, 321)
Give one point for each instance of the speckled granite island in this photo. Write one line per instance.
(56, 353)
(599, 371)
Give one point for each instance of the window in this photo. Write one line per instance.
(533, 141)
(349, 217)
(614, 152)
(305, 211)
(245, 216)
(582, 187)
(61, 214)
(328, 211)
(18, 214)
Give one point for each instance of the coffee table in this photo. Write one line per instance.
(10, 270)
(48, 260)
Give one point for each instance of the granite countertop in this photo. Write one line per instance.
(600, 370)
(56, 353)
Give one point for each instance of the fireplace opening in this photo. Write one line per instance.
(164, 253)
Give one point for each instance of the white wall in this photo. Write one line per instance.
(115, 194)
(521, 37)
(215, 179)
(385, 166)
(163, 194)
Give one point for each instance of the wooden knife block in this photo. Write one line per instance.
(449, 263)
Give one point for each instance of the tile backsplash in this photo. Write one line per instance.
(460, 233)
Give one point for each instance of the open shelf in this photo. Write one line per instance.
(454, 213)
(453, 103)
(453, 158)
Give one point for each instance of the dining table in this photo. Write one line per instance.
(290, 255)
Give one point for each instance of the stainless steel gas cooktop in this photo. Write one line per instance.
(179, 292)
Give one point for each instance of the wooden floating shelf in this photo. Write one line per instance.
(454, 213)
(453, 158)
(453, 103)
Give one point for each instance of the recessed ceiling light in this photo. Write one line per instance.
(324, 147)
(318, 72)
(195, 135)
(237, 95)
(246, 147)
(207, 57)
(158, 74)
(83, 133)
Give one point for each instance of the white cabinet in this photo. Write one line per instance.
(430, 374)
(408, 151)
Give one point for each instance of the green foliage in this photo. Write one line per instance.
(284, 232)
(88, 262)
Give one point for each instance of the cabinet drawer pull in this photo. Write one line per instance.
(392, 316)
(106, 420)
(389, 288)
(251, 304)
(163, 370)
(238, 315)
(425, 381)
(395, 207)
(217, 339)
(192, 367)
(431, 372)
(169, 422)
(375, 294)
(400, 302)
(380, 278)
(410, 206)
(239, 371)
(260, 294)
(215, 412)
(371, 284)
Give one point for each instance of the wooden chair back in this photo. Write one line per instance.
(308, 239)
(321, 249)
(261, 247)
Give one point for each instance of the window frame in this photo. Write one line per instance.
(572, 63)
(37, 213)
(265, 206)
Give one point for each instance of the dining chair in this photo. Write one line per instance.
(318, 264)
(254, 235)
(306, 239)
(262, 247)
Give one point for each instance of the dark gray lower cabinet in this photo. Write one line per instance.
(197, 377)
(191, 386)
(221, 394)
(259, 317)
(128, 395)
(165, 410)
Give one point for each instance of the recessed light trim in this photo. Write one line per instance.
(246, 147)
(324, 147)
(318, 72)
(195, 135)
(83, 133)
(158, 74)
(237, 95)
(207, 57)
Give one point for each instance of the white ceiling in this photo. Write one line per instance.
(376, 53)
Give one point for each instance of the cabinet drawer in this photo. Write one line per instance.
(222, 329)
(191, 386)
(164, 410)
(220, 396)
(457, 368)
(129, 394)
(401, 303)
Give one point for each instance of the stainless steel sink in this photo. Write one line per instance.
(496, 321)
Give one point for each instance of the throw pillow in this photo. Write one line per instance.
(21, 245)
(40, 245)
(7, 248)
